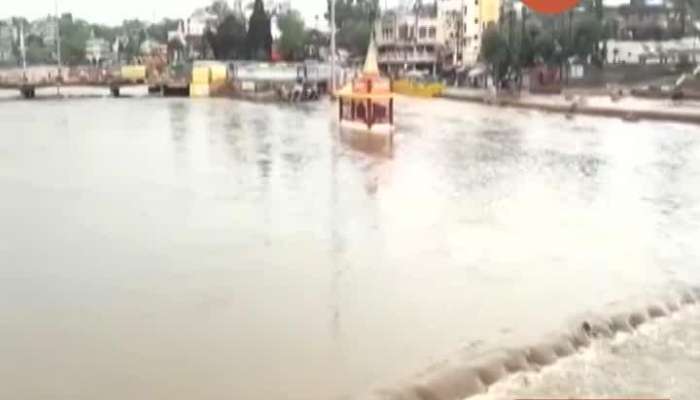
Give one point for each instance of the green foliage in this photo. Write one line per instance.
(259, 37)
(36, 52)
(229, 40)
(354, 36)
(545, 47)
(353, 20)
(159, 31)
(587, 34)
(219, 8)
(495, 52)
(314, 40)
(291, 43)
(74, 36)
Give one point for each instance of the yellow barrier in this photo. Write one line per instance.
(200, 75)
(134, 73)
(219, 73)
(199, 90)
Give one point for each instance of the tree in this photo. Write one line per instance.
(587, 35)
(36, 52)
(259, 37)
(314, 40)
(353, 20)
(74, 37)
(545, 48)
(292, 41)
(159, 31)
(495, 52)
(229, 40)
(219, 8)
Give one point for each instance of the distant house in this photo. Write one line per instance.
(45, 29)
(97, 50)
(647, 20)
(188, 40)
(652, 52)
(151, 47)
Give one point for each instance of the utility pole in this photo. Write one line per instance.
(332, 46)
(22, 49)
(59, 78)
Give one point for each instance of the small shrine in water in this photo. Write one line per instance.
(367, 104)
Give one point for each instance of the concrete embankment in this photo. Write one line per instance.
(465, 374)
(627, 108)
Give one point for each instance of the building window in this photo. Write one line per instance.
(422, 32)
(465, 10)
(465, 28)
(403, 32)
(412, 32)
(431, 32)
(476, 21)
(387, 33)
(476, 37)
(476, 2)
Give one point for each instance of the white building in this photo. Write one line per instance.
(443, 34)
(409, 40)
(463, 28)
(97, 50)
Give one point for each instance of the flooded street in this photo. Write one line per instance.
(210, 249)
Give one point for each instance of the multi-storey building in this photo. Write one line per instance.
(409, 40)
(446, 33)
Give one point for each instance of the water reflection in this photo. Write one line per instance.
(381, 146)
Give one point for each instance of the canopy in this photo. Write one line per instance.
(347, 93)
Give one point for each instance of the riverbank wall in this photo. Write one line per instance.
(627, 108)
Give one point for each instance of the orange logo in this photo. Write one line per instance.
(551, 6)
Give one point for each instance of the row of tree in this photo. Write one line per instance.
(230, 36)
(230, 39)
(517, 44)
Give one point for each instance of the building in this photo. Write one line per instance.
(409, 40)
(46, 29)
(188, 40)
(445, 34)
(647, 20)
(97, 50)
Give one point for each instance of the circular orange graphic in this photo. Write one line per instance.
(551, 6)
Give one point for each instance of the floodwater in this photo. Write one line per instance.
(210, 249)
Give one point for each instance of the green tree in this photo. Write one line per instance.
(495, 52)
(545, 48)
(259, 37)
(314, 40)
(353, 21)
(219, 8)
(36, 52)
(291, 42)
(229, 40)
(74, 37)
(159, 31)
(587, 35)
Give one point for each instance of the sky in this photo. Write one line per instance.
(112, 12)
